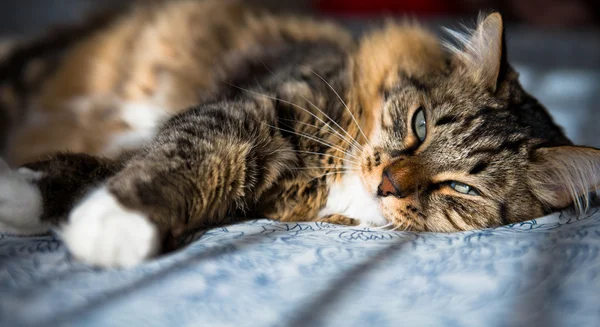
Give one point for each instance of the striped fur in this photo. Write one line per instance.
(214, 112)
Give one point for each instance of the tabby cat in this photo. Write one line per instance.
(182, 115)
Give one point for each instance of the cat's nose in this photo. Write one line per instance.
(387, 186)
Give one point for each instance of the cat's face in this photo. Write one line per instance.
(451, 157)
(464, 147)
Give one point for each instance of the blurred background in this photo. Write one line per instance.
(554, 44)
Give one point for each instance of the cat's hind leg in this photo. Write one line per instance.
(66, 192)
(21, 202)
(38, 196)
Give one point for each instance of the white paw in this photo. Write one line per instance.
(103, 233)
(21, 202)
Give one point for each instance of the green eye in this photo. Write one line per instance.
(464, 188)
(420, 124)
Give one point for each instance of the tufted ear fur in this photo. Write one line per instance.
(482, 52)
(565, 175)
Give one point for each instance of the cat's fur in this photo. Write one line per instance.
(290, 119)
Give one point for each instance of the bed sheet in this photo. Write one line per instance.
(542, 272)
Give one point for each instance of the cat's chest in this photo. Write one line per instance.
(349, 197)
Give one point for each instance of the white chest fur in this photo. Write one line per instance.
(350, 198)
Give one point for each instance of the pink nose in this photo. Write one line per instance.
(387, 186)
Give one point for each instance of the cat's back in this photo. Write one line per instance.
(110, 90)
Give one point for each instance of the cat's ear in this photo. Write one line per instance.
(483, 52)
(565, 175)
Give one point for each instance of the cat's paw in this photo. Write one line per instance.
(103, 233)
(21, 202)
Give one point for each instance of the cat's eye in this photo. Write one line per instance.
(419, 124)
(463, 188)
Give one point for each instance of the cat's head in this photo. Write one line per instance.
(455, 143)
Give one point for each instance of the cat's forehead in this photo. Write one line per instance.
(472, 122)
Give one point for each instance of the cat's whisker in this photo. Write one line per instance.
(340, 127)
(329, 167)
(327, 116)
(348, 140)
(338, 135)
(314, 139)
(344, 103)
(291, 104)
(327, 174)
(291, 127)
(321, 154)
(381, 227)
(400, 225)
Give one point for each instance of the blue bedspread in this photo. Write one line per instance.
(263, 273)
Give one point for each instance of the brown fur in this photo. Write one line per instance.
(162, 54)
(284, 107)
(382, 54)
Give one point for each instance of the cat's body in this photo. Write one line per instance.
(123, 74)
(290, 119)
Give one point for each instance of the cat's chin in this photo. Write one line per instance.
(352, 198)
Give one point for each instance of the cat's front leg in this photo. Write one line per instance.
(103, 232)
(203, 165)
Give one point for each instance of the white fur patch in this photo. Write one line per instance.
(20, 201)
(102, 232)
(350, 198)
(144, 121)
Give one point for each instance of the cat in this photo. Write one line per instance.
(183, 115)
